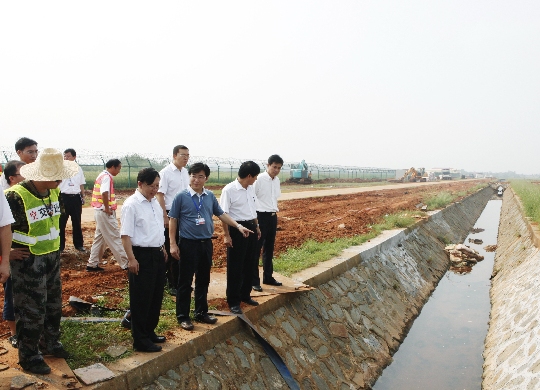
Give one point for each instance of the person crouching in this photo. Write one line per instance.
(142, 235)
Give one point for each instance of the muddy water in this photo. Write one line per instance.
(443, 349)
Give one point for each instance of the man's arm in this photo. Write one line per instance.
(133, 264)
(175, 251)
(228, 221)
(82, 193)
(5, 245)
(105, 198)
(161, 200)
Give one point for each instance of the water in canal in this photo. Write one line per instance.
(443, 349)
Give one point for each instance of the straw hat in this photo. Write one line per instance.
(49, 166)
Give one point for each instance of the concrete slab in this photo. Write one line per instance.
(94, 374)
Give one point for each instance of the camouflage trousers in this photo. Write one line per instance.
(37, 297)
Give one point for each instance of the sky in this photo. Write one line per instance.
(389, 84)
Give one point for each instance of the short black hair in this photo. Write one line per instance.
(248, 168)
(275, 158)
(197, 167)
(72, 151)
(11, 169)
(113, 162)
(23, 143)
(147, 175)
(177, 148)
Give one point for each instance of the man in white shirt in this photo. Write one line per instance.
(6, 219)
(173, 179)
(142, 238)
(238, 200)
(72, 193)
(268, 191)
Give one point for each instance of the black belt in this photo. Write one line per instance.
(79, 194)
(251, 221)
(196, 240)
(272, 213)
(148, 248)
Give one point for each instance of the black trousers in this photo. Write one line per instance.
(172, 263)
(196, 260)
(268, 226)
(241, 259)
(73, 209)
(146, 294)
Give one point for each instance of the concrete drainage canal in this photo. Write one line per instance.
(443, 349)
(343, 332)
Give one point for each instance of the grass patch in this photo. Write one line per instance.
(87, 342)
(311, 252)
(439, 201)
(529, 194)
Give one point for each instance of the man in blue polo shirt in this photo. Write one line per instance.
(191, 213)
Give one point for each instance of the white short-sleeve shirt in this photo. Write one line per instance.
(172, 181)
(6, 217)
(238, 202)
(73, 184)
(267, 191)
(142, 221)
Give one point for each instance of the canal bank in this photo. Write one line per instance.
(339, 335)
(513, 341)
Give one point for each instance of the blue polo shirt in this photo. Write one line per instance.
(184, 209)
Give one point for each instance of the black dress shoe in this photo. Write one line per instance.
(206, 319)
(126, 321)
(236, 310)
(94, 269)
(186, 325)
(251, 302)
(158, 339)
(257, 288)
(273, 282)
(80, 248)
(148, 348)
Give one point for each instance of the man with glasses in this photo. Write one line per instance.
(174, 178)
(191, 215)
(72, 194)
(27, 151)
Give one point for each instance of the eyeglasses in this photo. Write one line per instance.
(200, 177)
(184, 155)
(152, 186)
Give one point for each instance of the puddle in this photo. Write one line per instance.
(443, 349)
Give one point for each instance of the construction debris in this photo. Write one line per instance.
(476, 241)
(477, 230)
(490, 248)
(462, 257)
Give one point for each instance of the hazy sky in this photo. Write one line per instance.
(366, 83)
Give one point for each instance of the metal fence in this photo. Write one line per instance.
(223, 170)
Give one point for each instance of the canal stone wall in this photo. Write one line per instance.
(341, 334)
(512, 345)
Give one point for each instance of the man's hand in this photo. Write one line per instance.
(19, 253)
(175, 251)
(245, 231)
(228, 241)
(133, 266)
(107, 211)
(4, 271)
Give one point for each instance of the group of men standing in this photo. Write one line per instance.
(166, 234)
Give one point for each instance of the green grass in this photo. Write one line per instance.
(313, 252)
(440, 200)
(529, 194)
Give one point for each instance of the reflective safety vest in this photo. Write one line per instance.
(97, 199)
(43, 221)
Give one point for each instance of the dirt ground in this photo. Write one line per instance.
(299, 219)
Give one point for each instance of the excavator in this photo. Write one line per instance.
(413, 174)
(300, 173)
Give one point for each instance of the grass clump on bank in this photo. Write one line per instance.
(529, 194)
(439, 201)
(87, 342)
(312, 252)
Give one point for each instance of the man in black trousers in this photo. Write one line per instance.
(72, 193)
(238, 200)
(142, 238)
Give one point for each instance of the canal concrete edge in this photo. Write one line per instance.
(339, 335)
(511, 359)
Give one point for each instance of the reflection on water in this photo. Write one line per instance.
(443, 349)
